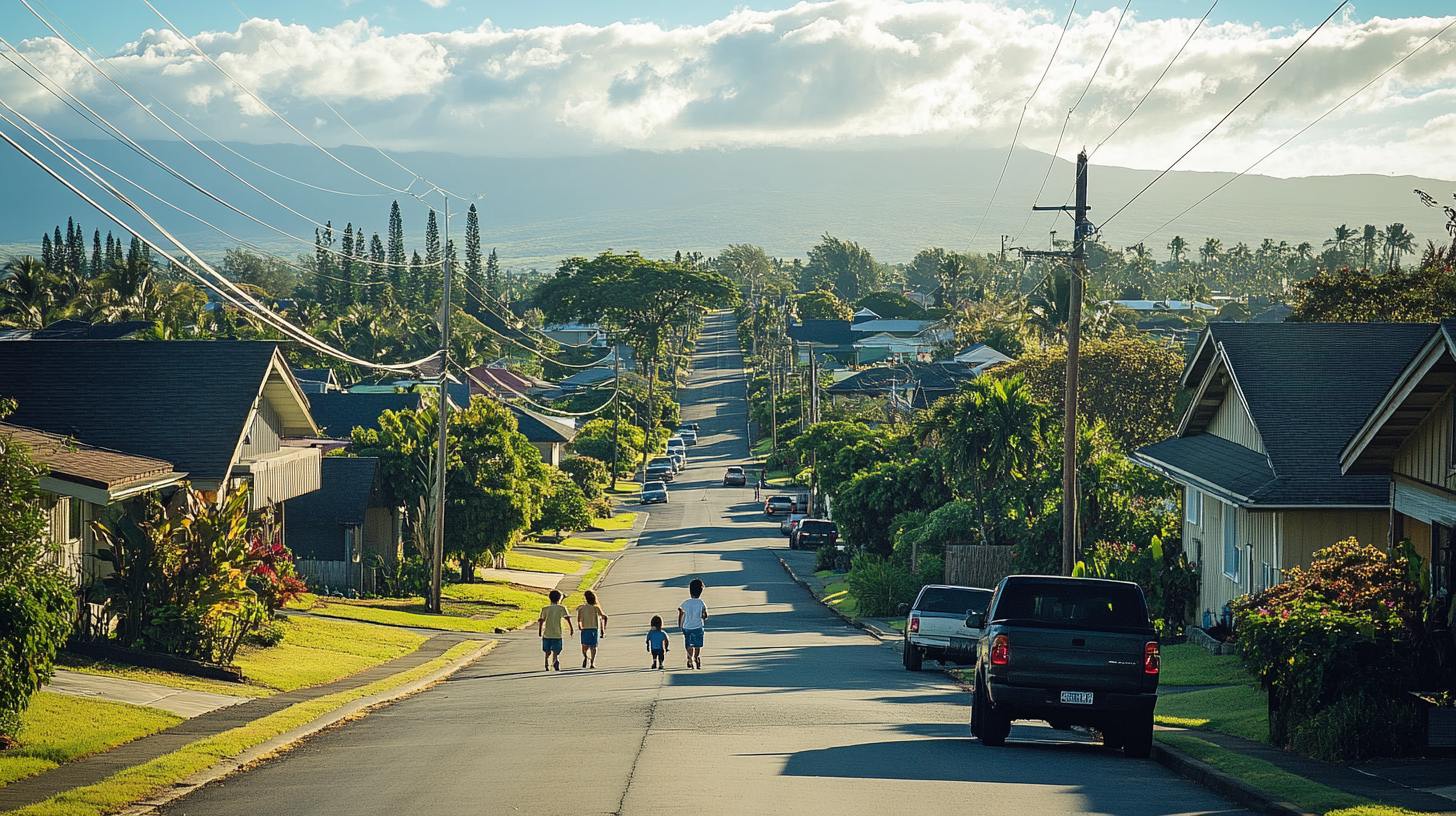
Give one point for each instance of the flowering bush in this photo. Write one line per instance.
(1342, 630)
(274, 577)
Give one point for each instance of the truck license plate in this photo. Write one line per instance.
(1077, 697)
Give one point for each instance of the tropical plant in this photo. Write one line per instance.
(565, 508)
(821, 305)
(590, 475)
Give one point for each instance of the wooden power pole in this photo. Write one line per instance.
(1078, 259)
(441, 451)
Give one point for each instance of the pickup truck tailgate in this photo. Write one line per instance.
(1077, 660)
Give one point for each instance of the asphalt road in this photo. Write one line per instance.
(793, 712)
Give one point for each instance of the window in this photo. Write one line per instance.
(77, 519)
(1231, 553)
(1193, 505)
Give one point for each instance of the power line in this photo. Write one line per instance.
(1053, 161)
(1226, 116)
(1021, 119)
(616, 391)
(228, 291)
(1302, 130)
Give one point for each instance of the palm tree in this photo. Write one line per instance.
(27, 297)
(1178, 247)
(1398, 241)
(1368, 239)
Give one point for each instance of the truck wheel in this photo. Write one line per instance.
(1112, 736)
(976, 711)
(1137, 741)
(913, 657)
(995, 721)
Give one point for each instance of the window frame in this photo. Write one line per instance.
(1231, 550)
(1193, 505)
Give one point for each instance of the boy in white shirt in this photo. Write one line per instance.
(691, 617)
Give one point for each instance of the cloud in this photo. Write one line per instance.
(830, 74)
(439, 4)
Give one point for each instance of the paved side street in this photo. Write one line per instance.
(793, 711)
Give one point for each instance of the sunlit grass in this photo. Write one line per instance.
(58, 728)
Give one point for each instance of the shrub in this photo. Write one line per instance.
(1359, 726)
(879, 586)
(269, 634)
(1169, 582)
(566, 508)
(830, 557)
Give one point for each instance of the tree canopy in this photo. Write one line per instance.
(844, 267)
(822, 305)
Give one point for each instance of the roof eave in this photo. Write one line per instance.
(1410, 377)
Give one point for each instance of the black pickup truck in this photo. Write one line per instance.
(1070, 651)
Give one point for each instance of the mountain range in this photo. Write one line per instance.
(536, 211)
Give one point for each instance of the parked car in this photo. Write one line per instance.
(778, 504)
(735, 476)
(660, 468)
(689, 426)
(811, 534)
(654, 493)
(690, 437)
(678, 462)
(786, 527)
(1070, 651)
(676, 444)
(935, 625)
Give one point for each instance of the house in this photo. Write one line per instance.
(981, 357)
(829, 339)
(898, 327)
(550, 435)
(342, 534)
(317, 380)
(503, 382)
(1409, 437)
(1258, 451)
(576, 334)
(917, 384)
(144, 414)
(80, 482)
(338, 414)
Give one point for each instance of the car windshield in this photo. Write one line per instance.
(735, 471)
(1092, 604)
(953, 600)
(815, 526)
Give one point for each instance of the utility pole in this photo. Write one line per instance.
(616, 409)
(441, 452)
(1078, 259)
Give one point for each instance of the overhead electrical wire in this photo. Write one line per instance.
(616, 392)
(1302, 130)
(245, 89)
(1226, 116)
(215, 281)
(1085, 88)
(1020, 120)
(534, 351)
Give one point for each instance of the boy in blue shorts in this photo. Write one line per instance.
(657, 643)
(548, 626)
(690, 619)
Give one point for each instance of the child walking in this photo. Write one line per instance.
(591, 620)
(657, 643)
(548, 626)
(690, 619)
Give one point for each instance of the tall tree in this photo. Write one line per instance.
(397, 257)
(843, 266)
(494, 285)
(379, 293)
(473, 272)
(432, 241)
(1398, 241)
(326, 285)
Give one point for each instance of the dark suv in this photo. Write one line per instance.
(811, 534)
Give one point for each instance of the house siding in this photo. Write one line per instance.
(1307, 531)
(263, 432)
(1257, 530)
(1426, 454)
(1232, 422)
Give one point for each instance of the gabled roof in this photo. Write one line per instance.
(823, 332)
(1420, 387)
(893, 326)
(541, 429)
(323, 376)
(938, 379)
(588, 376)
(113, 475)
(187, 402)
(314, 521)
(1306, 387)
(981, 356)
(499, 379)
(81, 330)
(338, 413)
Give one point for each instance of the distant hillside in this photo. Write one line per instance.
(894, 202)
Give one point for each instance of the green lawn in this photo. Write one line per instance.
(540, 563)
(625, 488)
(106, 668)
(58, 728)
(619, 521)
(583, 544)
(317, 651)
(594, 573)
(1186, 664)
(1240, 711)
(837, 596)
(1311, 797)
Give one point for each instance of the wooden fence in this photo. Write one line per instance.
(977, 566)
(337, 576)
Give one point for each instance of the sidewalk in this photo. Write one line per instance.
(98, 767)
(800, 566)
(182, 702)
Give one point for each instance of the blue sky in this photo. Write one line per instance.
(109, 24)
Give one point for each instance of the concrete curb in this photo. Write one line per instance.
(1238, 792)
(872, 631)
(288, 739)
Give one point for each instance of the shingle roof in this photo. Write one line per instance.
(1308, 388)
(823, 332)
(537, 428)
(339, 413)
(184, 402)
(938, 378)
(898, 326)
(314, 522)
(85, 464)
(81, 330)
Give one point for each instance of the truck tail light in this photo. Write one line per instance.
(833, 537)
(1001, 650)
(915, 623)
(1152, 658)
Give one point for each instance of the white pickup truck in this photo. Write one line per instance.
(935, 625)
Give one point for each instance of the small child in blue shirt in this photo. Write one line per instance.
(657, 643)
